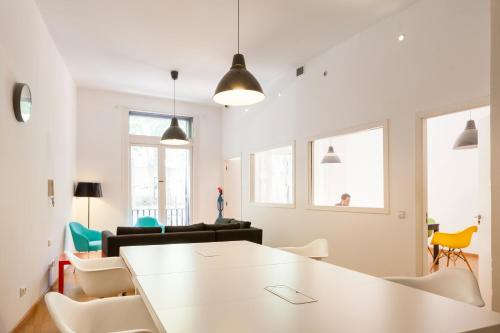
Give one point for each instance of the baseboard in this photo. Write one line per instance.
(31, 310)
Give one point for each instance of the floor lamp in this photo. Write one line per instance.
(88, 190)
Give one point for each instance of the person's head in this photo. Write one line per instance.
(345, 199)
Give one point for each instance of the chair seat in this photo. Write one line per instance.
(95, 245)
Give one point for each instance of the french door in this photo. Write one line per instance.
(160, 183)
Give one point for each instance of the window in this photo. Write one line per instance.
(160, 175)
(154, 124)
(273, 176)
(359, 181)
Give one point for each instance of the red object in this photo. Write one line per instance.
(63, 261)
(220, 190)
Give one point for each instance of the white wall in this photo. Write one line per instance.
(495, 150)
(453, 175)
(443, 61)
(102, 142)
(30, 154)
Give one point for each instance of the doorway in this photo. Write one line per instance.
(457, 191)
(160, 183)
(232, 188)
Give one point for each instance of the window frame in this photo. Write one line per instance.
(252, 177)
(189, 134)
(129, 140)
(384, 124)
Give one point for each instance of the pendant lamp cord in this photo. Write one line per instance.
(238, 26)
(174, 98)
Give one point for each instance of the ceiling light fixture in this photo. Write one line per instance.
(174, 135)
(468, 138)
(401, 38)
(331, 157)
(238, 87)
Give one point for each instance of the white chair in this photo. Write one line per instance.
(102, 277)
(317, 249)
(113, 314)
(456, 283)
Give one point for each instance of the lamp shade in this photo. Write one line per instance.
(331, 157)
(88, 190)
(174, 135)
(468, 138)
(238, 87)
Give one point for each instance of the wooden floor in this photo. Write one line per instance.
(39, 321)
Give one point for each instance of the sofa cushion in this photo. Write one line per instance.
(223, 220)
(226, 220)
(185, 228)
(137, 230)
(245, 224)
(216, 227)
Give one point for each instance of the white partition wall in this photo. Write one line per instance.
(370, 77)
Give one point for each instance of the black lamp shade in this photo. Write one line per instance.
(88, 190)
(238, 87)
(174, 135)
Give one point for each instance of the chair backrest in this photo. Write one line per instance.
(65, 312)
(147, 221)
(94, 264)
(317, 249)
(114, 314)
(457, 283)
(102, 277)
(457, 240)
(78, 233)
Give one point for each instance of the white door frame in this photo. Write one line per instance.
(421, 172)
(240, 157)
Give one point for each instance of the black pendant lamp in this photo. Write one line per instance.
(238, 87)
(174, 135)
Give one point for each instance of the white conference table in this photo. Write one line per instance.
(219, 287)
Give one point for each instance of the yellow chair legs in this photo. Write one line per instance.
(451, 254)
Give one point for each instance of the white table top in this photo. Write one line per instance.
(174, 258)
(223, 295)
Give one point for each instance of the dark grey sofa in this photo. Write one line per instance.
(197, 233)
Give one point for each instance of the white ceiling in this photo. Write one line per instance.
(131, 45)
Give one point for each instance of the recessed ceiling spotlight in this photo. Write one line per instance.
(401, 38)
(279, 94)
(246, 110)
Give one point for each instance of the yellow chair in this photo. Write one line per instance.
(452, 245)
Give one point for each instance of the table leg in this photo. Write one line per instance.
(435, 253)
(60, 279)
(436, 248)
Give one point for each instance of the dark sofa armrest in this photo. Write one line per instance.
(104, 240)
(249, 234)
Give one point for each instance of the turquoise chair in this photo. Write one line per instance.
(85, 240)
(147, 222)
